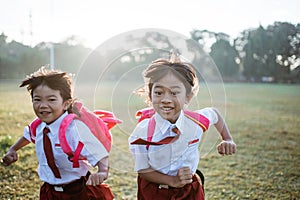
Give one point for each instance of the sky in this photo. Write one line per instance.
(95, 21)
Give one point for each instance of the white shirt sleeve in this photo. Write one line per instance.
(210, 114)
(139, 152)
(26, 134)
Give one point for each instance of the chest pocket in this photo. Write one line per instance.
(61, 159)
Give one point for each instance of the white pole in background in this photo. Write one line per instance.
(51, 56)
(51, 43)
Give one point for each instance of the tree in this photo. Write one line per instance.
(225, 56)
(286, 46)
(204, 37)
(18, 60)
(269, 52)
(221, 51)
(3, 38)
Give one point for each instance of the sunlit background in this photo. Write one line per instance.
(33, 21)
(246, 54)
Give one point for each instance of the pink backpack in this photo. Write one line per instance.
(99, 122)
(145, 113)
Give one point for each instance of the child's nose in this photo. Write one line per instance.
(43, 104)
(167, 98)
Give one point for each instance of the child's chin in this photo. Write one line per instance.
(172, 120)
(47, 120)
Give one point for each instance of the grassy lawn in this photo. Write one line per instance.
(263, 119)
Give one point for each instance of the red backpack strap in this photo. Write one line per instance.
(32, 128)
(151, 129)
(144, 114)
(147, 113)
(199, 119)
(73, 156)
(62, 134)
(108, 118)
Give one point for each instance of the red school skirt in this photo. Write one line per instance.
(150, 191)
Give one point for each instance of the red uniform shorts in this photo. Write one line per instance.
(149, 191)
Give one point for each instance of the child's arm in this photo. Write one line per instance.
(102, 174)
(227, 146)
(12, 156)
(184, 176)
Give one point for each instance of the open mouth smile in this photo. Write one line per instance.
(166, 109)
(44, 113)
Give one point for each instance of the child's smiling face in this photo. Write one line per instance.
(48, 104)
(168, 97)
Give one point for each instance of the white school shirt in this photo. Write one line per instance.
(93, 150)
(168, 158)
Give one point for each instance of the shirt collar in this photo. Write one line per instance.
(164, 124)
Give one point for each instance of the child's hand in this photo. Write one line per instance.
(226, 147)
(184, 176)
(97, 178)
(10, 157)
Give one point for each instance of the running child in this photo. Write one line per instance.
(165, 145)
(51, 94)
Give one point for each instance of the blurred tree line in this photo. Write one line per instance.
(270, 54)
(18, 60)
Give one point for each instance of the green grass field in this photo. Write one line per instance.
(263, 119)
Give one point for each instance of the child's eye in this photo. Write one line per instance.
(52, 99)
(35, 99)
(157, 93)
(174, 93)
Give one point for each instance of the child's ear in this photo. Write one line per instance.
(188, 98)
(67, 104)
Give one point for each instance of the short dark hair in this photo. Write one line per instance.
(54, 79)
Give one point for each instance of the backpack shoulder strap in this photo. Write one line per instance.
(202, 178)
(73, 156)
(62, 134)
(32, 129)
(199, 119)
(144, 114)
(147, 113)
(150, 131)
